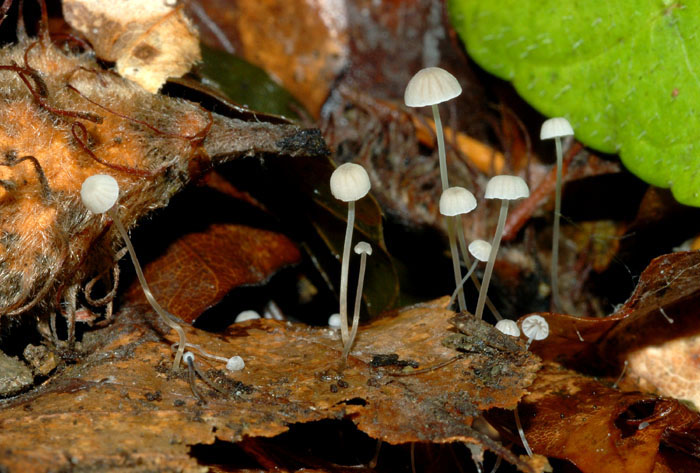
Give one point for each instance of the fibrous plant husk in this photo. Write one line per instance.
(65, 118)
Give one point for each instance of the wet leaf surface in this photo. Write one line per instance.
(597, 428)
(121, 406)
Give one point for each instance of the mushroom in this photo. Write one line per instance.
(431, 86)
(556, 128)
(535, 327)
(334, 321)
(506, 188)
(235, 363)
(349, 183)
(363, 249)
(456, 201)
(193, 371)
(246, 315)
(99, 194)
(509, 327)
(480, 250)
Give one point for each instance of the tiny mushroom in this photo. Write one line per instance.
(431, 86)
(363, 249)
(556, 128)
(509, 327)
(456, 201)
(480, 250)
(535, 327)
(334, 321)
(349, 183)
(505, 188)
(99, 194)
(235, 363)
(246, 315)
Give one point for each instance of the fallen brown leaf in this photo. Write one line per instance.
(576, 418)
(670, 282)
(304, 44)
(121, 406)
(215, 251)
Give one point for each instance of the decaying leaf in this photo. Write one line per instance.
(122, 406)
(597, 428)
(215, 250)
(670, 282)
(670, 368)
(150, 40)
(304, 44)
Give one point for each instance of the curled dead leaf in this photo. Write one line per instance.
(150, 40)
(597, 428)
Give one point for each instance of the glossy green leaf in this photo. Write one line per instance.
(247, 84)
(626, 74)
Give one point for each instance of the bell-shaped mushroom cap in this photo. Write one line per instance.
(99, 193)
(431, 86)
(246, 315)
(363, 247)
(235, 363)
(334, 321)
(456, 201)
(556, 128)
(480, 250)
(349, 182)
(506, 188)
(509, 327)
(535, 327)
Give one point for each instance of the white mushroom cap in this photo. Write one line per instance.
(431, 86)
(535, 327)
(506, 188)
(99, 193)
(556, 128)
(188, 356)
(246, 315)
(509, 327)
(334, 321)
(480, 250)
(349, 182)
(363, 247)
(456, 201)
(235, 363)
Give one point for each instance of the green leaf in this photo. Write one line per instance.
(247, 84)
(626, 73)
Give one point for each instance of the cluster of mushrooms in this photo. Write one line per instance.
(349, 183)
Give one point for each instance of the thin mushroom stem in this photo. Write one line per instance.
(492, 258)
(475, 279)
(522, 433)
(555, 235)
(455, 263)
(358, 302)
(345, 268)
(460, 288)
(147, 291)
(441, 147)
